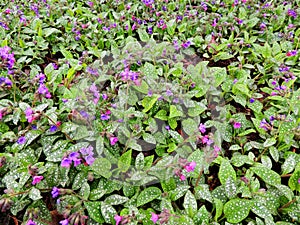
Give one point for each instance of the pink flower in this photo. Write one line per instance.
(37, 179)
(118, 219)
(113, 140)
(154, 217)
(190, 166)
(182, 177)
(236, 125)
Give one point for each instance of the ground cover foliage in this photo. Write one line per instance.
(149, 112)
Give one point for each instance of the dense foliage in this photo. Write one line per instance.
(149, 112)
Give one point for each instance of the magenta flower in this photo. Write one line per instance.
(74, 156)
(236, 125)
(154, 217)
(77, 162)
(182, 177)
(30, 222)
(299, 181)
(190, 166)
(37, 179)
(113, 140)
(28, 115)
(66, 162)
(64, 222)
(292, 13)
(118, 219)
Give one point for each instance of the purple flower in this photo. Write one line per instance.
(202, 128)
(265, 125)
(87, 151)
(190, 166)
(262, 26)
(77, 162)
(299, 181)
(252, 100)
(104, 117)
(216, 151)
(55, 66)
(53, 128)
(55, 192)
(154, 217)
(236, 125)
(30, 222)
(21, 140)
(66, 162)
(74, 156)
(37, 179)
(118, 219)
(113, 140)
(167, 127)
(169, 93)
(292, 13)
(176, 46)
(186, 44)
(64, 222)
(89, 159)
(150, 30)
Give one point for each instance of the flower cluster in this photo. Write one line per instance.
(128, 75)
(33, 171)
(75, 218)
(183, 164)
(94, 90)
(163, 217)
(265, 125)
(42, 90)
(5, 82)
(8, 59)
(84, 155)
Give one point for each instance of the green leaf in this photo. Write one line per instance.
(162, 115)
(101, 166)
(143, 35)
(274, 153)
(202, 192)
(286, 191)
(85, 190)
(148, 195)
(116, 199)
(67, 54)
(174, 112)
(149, 71)
(189, 126)
(256, 106)
(190, 204)
(148, 102)
(125, 161)
(293, 181)
(93, 211)
(236, 210)
(140, 161)
(219, 208)
(260, 209)
(35, 194)
(269, 142)
(79, 180)
(219, 74)
(108, 212)
(269, 176)
(178, 192)
(48, 31)
(230, 188)
(289, 164)
(226, 170)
